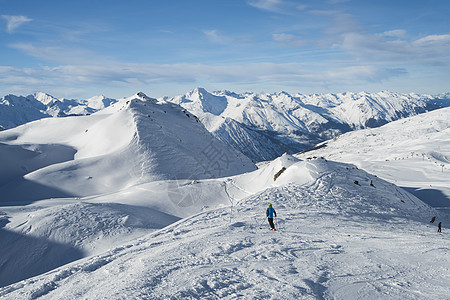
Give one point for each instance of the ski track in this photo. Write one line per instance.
(323, 250)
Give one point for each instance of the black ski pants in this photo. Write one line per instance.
(271, 223)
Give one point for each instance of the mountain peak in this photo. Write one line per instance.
(140, 96)
(201, 90)
(44, 98)
(207, 102)
(143, 96)
(283, 93)
(198, 93)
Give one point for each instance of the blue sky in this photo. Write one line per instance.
(84, 48)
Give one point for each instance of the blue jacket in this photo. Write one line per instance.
(270, 212)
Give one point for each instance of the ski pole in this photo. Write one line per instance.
(262, 224)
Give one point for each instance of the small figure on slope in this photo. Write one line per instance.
(270, 212)
(439, 226)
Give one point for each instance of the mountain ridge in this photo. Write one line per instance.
(296, 123)
(18, 110)
(260, 125)
(137, 139)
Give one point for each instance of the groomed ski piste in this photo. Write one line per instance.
(168, 233)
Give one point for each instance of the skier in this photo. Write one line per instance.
(270, 212)
(439, 226)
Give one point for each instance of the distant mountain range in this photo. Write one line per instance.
(262, 126)
(18, 110)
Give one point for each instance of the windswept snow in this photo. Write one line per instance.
(336, 239)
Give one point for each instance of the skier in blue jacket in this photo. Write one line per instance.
(270, 212)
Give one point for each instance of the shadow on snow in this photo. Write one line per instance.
(24, 256)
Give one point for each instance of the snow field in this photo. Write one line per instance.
(336, 240)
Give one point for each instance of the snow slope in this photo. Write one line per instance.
(134, 141)
(50, 164)
(413, 153)
(264, 126)
(337, 240)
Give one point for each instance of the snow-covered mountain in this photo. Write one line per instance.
(264, 126)
(139, 200)
(337, 240)
(18, 110)
(413, 153)
(135, 140)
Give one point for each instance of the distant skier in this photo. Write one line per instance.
(439, 226)
(270, 212)
(433, 219)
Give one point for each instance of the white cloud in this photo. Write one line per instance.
(337, 1)
(14, 22)
(363, 72)
(55, 53)
(323, 12)
(399, 33)
(432, 49)
(289, 40)
(434, 40)
(47, 52)
(268, 5)
(337, 21)
(134, 76)
(214, 36)
(278, 6)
